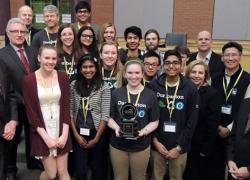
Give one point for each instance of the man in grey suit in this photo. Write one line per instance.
(19, 61)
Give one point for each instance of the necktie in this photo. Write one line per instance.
(24, 61)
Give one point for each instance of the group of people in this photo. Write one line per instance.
(87, 102)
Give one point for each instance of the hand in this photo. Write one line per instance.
(81, 140)
(51, 143)
(118, 131)
(232, 168)
(160, 148)
(223, 131)
(242, 173)
(92, 143)
(61, 142)
(173, 154)
(9, 130)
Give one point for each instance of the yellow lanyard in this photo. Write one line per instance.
(171, 109)
(144, 81)
(70, 69)
(137, 98)
(225, 88)
(85, 108)
(49, 95)
(109, 75)
(78, 26)
(47, 34)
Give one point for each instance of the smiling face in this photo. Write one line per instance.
(133, 41)
(197, 75)
(67, 37)
(172, 66)
(82, 15)
(88, 69)
(47, 59)
(231, 58)
(109, 56)
(51, 19)
(204, 41)
(87, 37)
(151, 67)
(109, 34)
(134, 74)
(25, 13)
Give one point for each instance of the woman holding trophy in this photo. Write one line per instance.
(134, 116)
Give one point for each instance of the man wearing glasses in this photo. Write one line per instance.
(232, 84)
(178, 101)
(152, 65)
(83, 13)
(20, 61)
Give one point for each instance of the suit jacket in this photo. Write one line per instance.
(216, 66)
(8, 110)
(33, 31)
(15, 68)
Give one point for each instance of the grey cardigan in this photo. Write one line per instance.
(99, 102)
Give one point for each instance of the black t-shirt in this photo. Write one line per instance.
(147, 112)
(111, 81)
(69, 68)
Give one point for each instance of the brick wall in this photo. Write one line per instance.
(192, 16)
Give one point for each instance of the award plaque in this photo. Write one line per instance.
(129, 125)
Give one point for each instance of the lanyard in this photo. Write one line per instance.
(144, 81)
(137, 98)
(85, 108)
(110, 73)
(70, 69)
(225, 88)
(47, 34)
(171, 109)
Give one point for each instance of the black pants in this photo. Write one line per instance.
(218, 160)
(197, 166)
(94, 159)
(2, 144)
(11, 152)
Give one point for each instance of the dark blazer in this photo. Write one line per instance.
(33, 31)
(15, 68)
(8, 106)
(33, 109)
(215, 64)
(239, 141)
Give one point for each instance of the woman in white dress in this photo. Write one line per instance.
(46, 96)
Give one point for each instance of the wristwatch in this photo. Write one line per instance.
(178, 148)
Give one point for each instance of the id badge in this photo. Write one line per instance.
(226, 109)
(169, 127)
(84, 131)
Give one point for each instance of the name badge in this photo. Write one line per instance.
(169, 127)
(226, 109)
(85, 131)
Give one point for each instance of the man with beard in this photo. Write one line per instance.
(132, 37)
(152, 39)
(205, 53)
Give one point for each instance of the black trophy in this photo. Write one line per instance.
(129, 125)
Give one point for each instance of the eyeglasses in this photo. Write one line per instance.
(83, 11)
(150, 65)
(87, 36)
(17, 32)
(174, 63)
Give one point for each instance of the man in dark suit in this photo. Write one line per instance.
(19, 61)
(205, 53)
(8, 114)
(26, 14)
